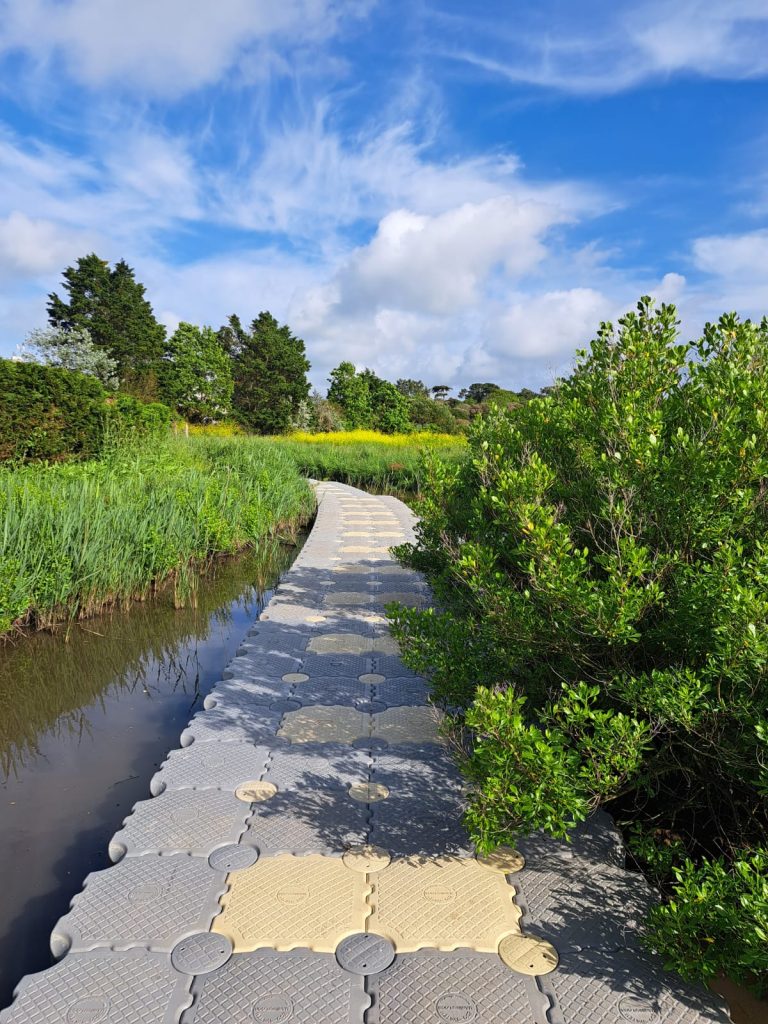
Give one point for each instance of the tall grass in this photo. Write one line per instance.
(75, 538)
(385, 463)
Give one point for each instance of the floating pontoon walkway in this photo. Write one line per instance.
(302, 860)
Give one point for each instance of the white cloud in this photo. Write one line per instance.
(163, 47)
(550, 324)
(32, 246)
(606, 48)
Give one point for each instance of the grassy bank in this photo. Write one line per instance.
(384, 463)
(76, 538)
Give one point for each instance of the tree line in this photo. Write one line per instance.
(103, 325)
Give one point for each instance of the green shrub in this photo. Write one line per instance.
(600, 558)
(49, 413)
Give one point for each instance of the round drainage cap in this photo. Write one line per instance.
(370, 707)
(366, 858)
(233, 857)
(368, 792)
(295, 677)
(371, 677)
(284, 705)
(503, 859)
(527, 954)
(255, 792)
(365, 953)
(201, 953)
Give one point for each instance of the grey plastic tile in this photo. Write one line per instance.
(262, 666)
(392, 667)
(247, 691)
(324, 665)
(398, 691)
(593, 987)
(595, 840)
(313, 766)
(403, 826)
(325, 821)
(147, 901)
(268, 987)
(233, 723)
(332, 690)
(134, 987)
(576, 903)
(429, 987)
(411, 766)
(211, 766)
(193, 821)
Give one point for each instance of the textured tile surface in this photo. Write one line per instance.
(267, 987)
(446, 903)
(289, 902)
(325, 724)
(211, 766)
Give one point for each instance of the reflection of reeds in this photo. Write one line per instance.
(381, 463)
(47, 685)
(75, 538)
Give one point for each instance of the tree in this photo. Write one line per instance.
(411, 388)
(440, 390)
(270, 373)
(196, 374)
(72, 350)
(427, 414)
(350, 392)
(389, 407)
(477, 393)
(110, 304)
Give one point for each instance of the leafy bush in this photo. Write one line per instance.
(51, 413)
(600, 558)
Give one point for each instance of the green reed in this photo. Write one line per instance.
(75, 538)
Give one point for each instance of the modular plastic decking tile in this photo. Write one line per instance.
(269, 987)
(325, 724)
(345, 690)
(593, 987)
(181, 821)
(408, 768)
(257, 666)
(289, 902)
(101, 987)
(402, 690)
(350, 665)
(578, 904)
(312, 766)
(430, 987)
(445, 903)
(148, 901)
(427, 835)
(392, 667)
(248, 691)
(210, 766)
(414, 724)
(301, 822)
(233, 723)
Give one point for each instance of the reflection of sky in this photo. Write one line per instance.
(90, 721)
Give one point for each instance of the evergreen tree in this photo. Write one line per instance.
(270, 373)
(110, 305)
(196, 374)
(349, 390)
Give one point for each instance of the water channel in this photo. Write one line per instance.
(84, 724)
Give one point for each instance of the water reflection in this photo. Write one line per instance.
(84, 723)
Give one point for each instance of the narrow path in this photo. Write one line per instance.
(302, 860)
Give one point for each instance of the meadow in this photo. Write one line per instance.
(80, 536)
(382, 463)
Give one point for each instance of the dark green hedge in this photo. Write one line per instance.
(50, 413)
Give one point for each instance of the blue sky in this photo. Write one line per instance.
(447, 190)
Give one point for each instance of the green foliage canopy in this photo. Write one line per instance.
(196, 374)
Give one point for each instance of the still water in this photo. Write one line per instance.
(84, 725)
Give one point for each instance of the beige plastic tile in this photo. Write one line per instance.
(255, 792)
(446, 902)
(340, 643)
(386, 645)
(366, 858)
(364, 549)
(325, 724)
(504, 859)
(361, 533)
(353, 567)
(393, 570)
(419, 724)
(345, 598)
(528, 955)
(287, 901)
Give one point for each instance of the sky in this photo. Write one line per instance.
(441, 189)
